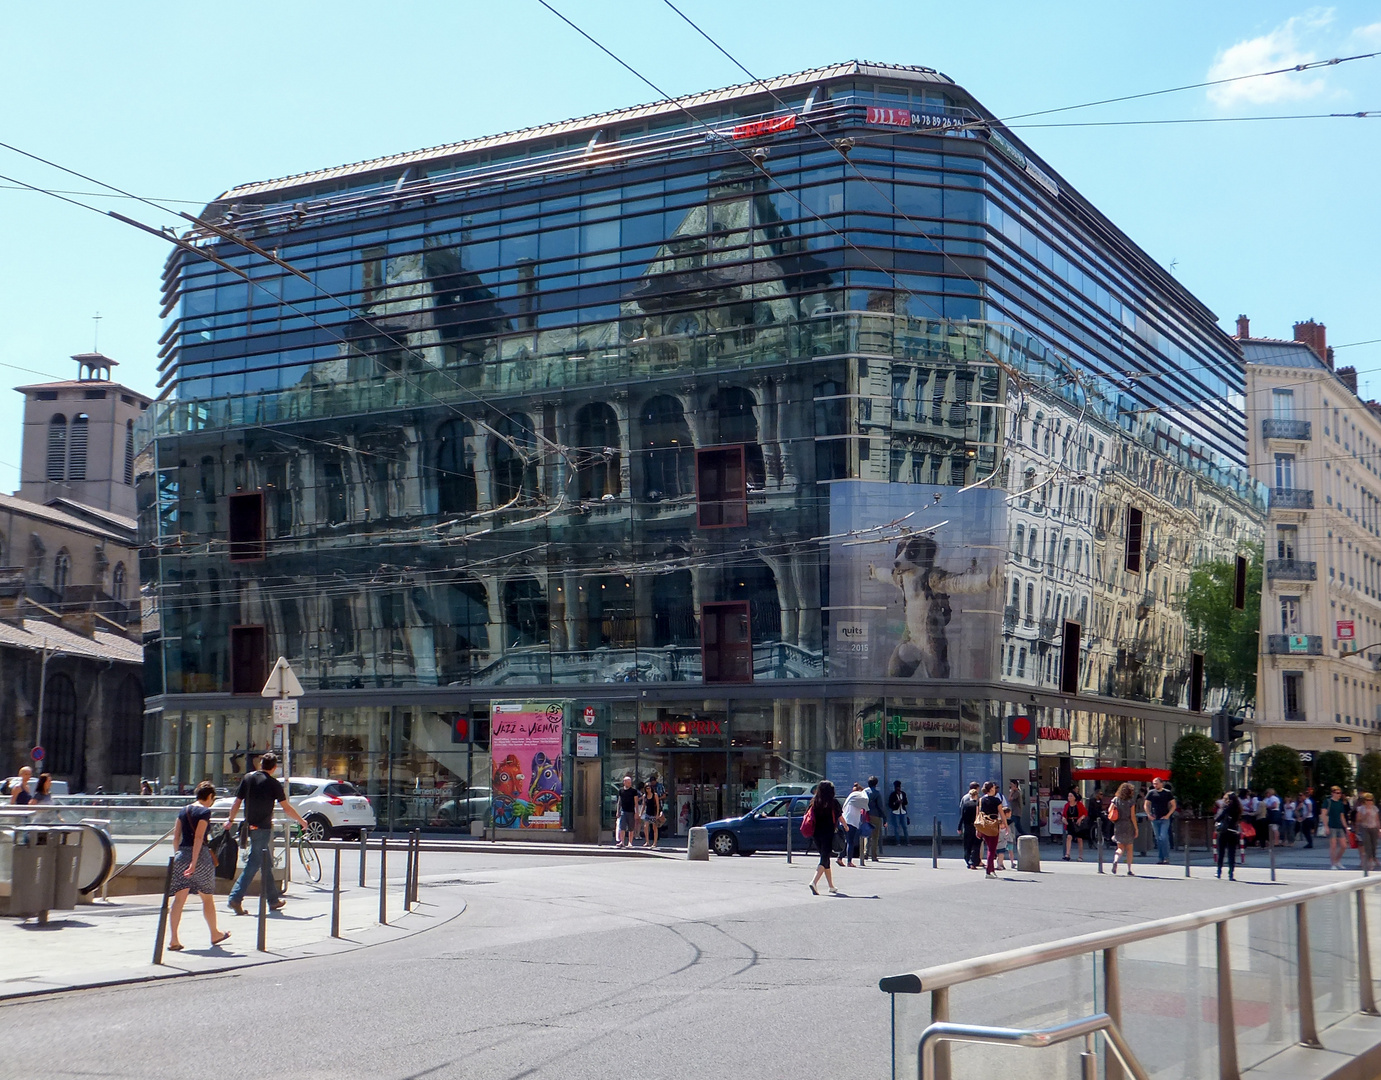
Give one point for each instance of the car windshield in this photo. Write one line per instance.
(773, 808)
(341, 789)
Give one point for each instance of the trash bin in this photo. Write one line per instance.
(31, 887)
(66, 844)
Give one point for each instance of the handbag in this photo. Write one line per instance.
(1112, 812)
(225, 850)
(986, 824)
(808, 824)
(1351, 839)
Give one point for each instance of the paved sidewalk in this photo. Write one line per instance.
(111, 942)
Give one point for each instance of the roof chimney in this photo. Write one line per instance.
(1314, 335)
(1244, 327)
(1348, 377)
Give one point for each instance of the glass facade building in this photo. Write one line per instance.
(799, 429)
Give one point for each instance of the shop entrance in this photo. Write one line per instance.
(1053, 779)
(697, 789)
(585, 816)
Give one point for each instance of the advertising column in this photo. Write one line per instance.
(526, 756)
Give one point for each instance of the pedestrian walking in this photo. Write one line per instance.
(628, 810)
(1160, 808)
(988, 822)
(1261, 818)
(194, 867)
(968, 811)
(1097, 816)
(260, 791)
(896, 807)
(855, 807)
(20, 794)
(877, 820)
(652, 809)
(1227, 824)
(1367, 821)
(1122, 814)
(1287, 825)
(1016, 805)
(823, 816)
(1311, 817)
(1337, 815)
(1076, 821)
(1275, 817)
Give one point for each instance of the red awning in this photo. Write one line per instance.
(1111, 773)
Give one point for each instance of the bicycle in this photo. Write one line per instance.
(307, 856)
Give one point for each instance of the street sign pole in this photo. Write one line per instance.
(283, 686)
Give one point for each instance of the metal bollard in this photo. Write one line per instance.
(364, 849)
(1186, 848)
(935, 845)
(264, 912)
(417, 868)
(788, 832)
(335, 898)
(407, 873)
(163, 916)
(1272, 849)
(1099, 826)
(383, 881)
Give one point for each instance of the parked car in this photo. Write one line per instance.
(761, 829)
(472, 806)
(331, 807)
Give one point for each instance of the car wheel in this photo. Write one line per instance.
(318, 827)
(747, 853)
(723, 843)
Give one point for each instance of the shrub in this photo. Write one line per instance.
(1279, 767)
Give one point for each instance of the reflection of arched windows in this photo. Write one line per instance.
(129, 451)
(455, 469)
(64, 735)
(525, 614)
(127, 731)
(831, 424)
(673, 609)
(607, 603)
(342, 627)
(76, 452)
(62, 570)
(669, 456)
(117, 583)
(736, 422)
(757, 584)
(514, 472)
(597, 451)
(468, 614)
(57, 448)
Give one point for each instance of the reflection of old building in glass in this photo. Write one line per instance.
(644, 414)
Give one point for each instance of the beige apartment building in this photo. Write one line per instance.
(1317, 446)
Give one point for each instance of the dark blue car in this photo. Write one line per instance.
(761, 829)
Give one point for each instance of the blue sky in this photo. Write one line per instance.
(1276, 219)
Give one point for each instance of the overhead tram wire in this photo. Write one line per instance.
(1368, 114)
(281, 263)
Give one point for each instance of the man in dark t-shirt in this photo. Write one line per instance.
(628, 805)
(1160, 808)
(259, 791)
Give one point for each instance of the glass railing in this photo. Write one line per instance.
(1190, 993)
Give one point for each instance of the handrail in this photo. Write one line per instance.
(1086, 1028)
(962, 971)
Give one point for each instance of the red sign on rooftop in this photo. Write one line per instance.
(771, 126)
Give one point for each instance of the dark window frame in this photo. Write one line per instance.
(249, 524)
(714, 617)
(244, 677)
(1136, 527)
(731, 510)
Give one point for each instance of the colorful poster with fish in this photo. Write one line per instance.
(525, 751)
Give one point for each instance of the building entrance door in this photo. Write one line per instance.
(588, 779)
(698, 790)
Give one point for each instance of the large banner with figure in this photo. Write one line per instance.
(525, 751)
(920, 599)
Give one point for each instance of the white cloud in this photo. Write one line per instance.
(1284, 46)
(1370, 34)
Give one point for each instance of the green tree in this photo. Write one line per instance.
(1369, 774)
(1227, 637)
(1332, 769)
(1278, 766)
(1196, 772)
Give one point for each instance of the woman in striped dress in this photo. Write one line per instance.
(194, 869)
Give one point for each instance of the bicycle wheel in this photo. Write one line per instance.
(311, 862)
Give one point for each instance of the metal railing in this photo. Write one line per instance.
(1087, 1028)
(1252, 995)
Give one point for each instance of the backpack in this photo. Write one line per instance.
(894, 801)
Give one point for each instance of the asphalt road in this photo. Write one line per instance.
(593, 967)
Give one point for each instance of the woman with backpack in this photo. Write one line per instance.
(820, 823)
(1227, 823)
(1122, 814)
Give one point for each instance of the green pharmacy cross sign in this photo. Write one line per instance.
(896, 727)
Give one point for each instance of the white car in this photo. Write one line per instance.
(330, 807)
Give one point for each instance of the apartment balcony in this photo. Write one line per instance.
(1291, 570)
(1292, 498)
(1049, 629)
(1294, 644)
(1299, 430)
(1009, 617)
